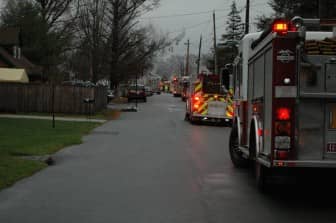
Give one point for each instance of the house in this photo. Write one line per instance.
(11, 55)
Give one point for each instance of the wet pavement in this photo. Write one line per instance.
(151, 166)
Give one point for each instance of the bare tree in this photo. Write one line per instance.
(57, 31)
(124, 34)
(93, 34)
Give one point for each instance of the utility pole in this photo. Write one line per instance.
(199, 56)
(182, 70)
(215, 44)
(187, 59)
(247, 17)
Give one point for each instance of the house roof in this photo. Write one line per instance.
(10, 36)
(23, 62)
(13, 75)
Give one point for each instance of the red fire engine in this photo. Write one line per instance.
(175, 86)
(185, 83)
(285, 99)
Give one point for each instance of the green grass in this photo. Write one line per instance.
(107, 114)
(13, 169)
(26, 137)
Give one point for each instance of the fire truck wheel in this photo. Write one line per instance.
(193, 120)
(236, 156)
(261, 172)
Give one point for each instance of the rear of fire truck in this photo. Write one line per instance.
(185, 83)
(176, 87)
(289, 121)
(207, 102)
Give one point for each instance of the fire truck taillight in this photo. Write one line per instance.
(196, 98)
(283, 114)
(283, 132)
(282, 155)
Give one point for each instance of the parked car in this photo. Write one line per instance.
(136, 92)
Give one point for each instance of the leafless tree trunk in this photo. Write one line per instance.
(126, 38)
(57, 29)
(92, 24)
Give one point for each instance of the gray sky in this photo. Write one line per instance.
(200, 22)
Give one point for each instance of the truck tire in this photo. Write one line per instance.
(192, 120)
(236, 156)
(261, 172)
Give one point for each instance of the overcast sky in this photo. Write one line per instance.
(168, 18)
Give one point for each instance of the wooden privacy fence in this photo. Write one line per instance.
(38, 98)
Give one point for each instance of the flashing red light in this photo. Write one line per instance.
(280, 27)
(283, 114)
(196, 98)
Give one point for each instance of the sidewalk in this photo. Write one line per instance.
(50, 118)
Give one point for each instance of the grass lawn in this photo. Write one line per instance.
(26, 137)
(107, 114)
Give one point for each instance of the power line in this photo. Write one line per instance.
(182, 15)
(195, 25)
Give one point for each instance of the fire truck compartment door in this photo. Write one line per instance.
(216, 108)
(311, 129)
(331, 77)
(330, 147)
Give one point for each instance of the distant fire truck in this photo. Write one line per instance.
(285, 99)
(185, 83)
(164, 86)
(175, 86)
(207, 101)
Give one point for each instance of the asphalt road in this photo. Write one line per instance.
(153, 167)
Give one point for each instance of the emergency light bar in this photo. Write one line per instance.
(280, 27)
